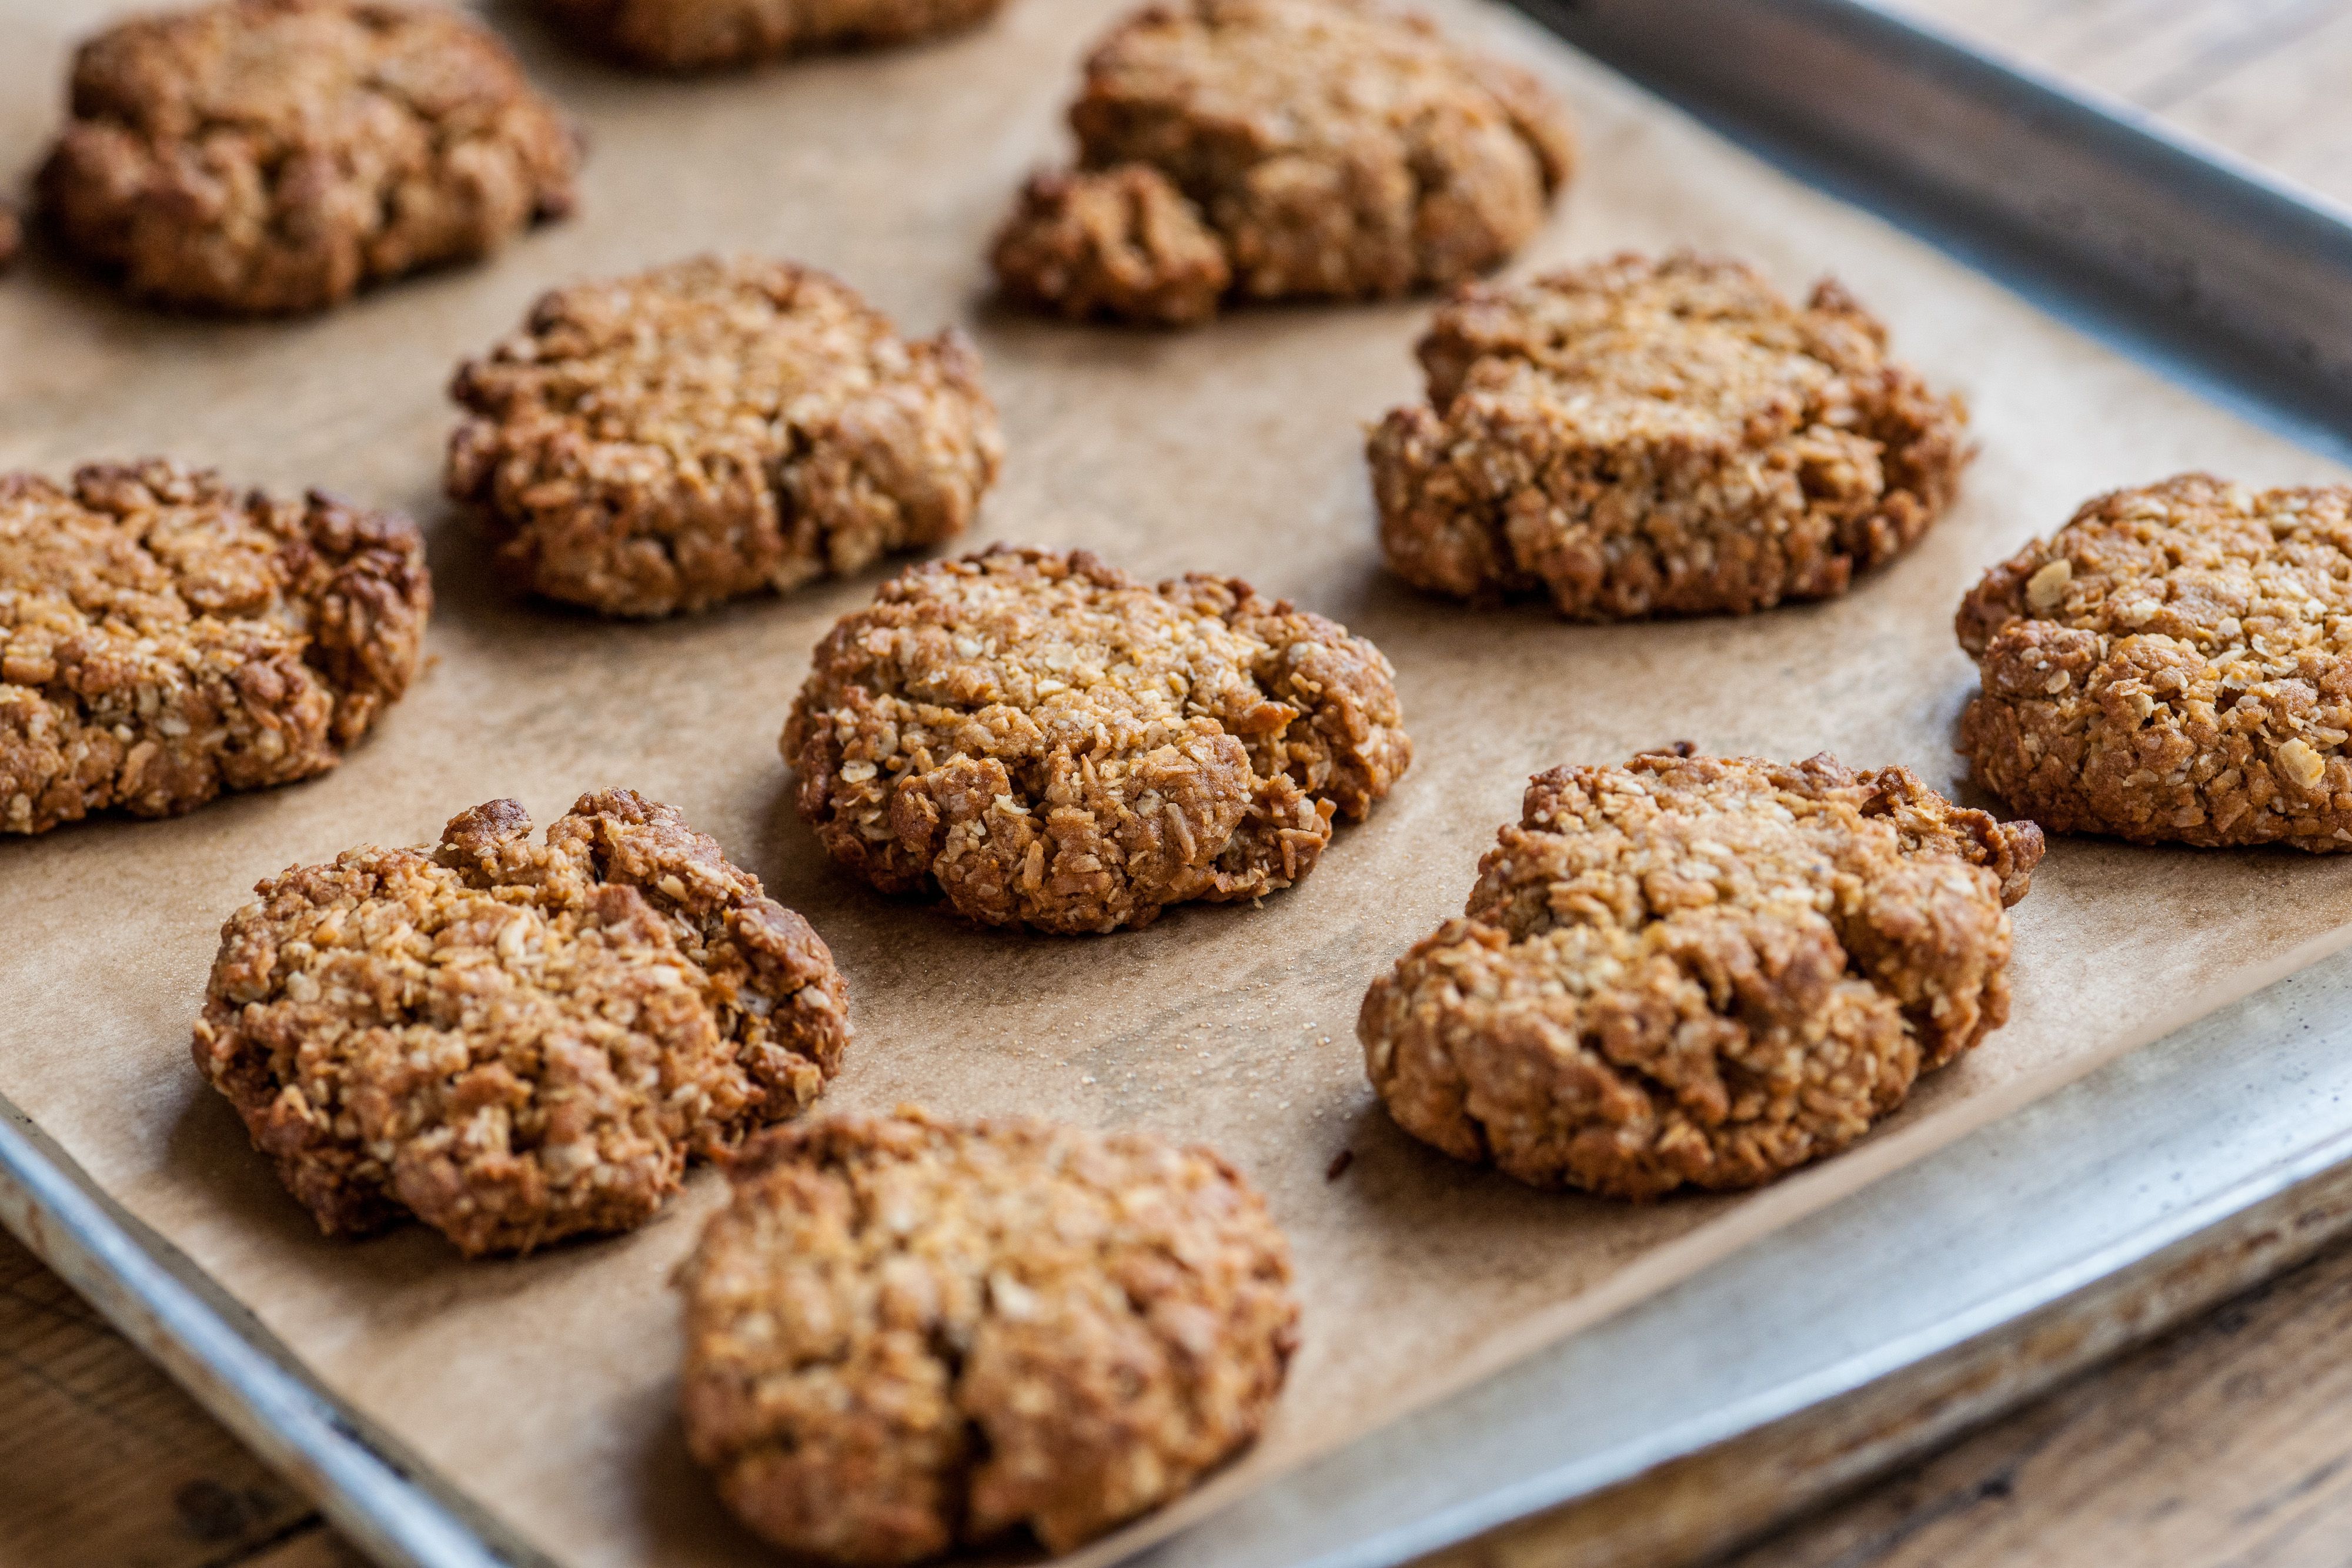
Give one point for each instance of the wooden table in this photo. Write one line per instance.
(2228, 1443)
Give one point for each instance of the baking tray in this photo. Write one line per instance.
(1936, 1296)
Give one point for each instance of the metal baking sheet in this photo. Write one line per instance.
(2110, 1208)
(1959, 1286)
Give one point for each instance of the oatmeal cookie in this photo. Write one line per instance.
(1699, 970)
(163, 638)
(906, 1333)
(1644, 437)
(1277, 150)
(516, 1043)
(1051, 744)
(267, 157)
(2174, 666)
(716, 428)
(705, 34)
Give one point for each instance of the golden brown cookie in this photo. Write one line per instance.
(1651, 437)
(265, 157)
(1121, 242)
(906, 1333)
(714, 428)
(1282, 150)
(2174, 666)
(164, 638)
(1699, 970)
(703, 35)
(516, 1043)
(1049, 743)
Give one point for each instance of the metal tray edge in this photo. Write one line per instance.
(2237, 350)
(229, 1363)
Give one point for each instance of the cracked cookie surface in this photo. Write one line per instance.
(705, 34)
(516, 1043)
(714, 428)
(905, 1333)
(1700, 971)
(1050, 743)
(1282, 150)
(164, 639)
(2174, 665)
(268, 157)
(1650, 437)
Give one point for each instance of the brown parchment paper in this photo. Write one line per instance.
(545, 1386)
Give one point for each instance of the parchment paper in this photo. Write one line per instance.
(545, 1386)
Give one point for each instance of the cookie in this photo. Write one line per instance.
(704, 35)
(906, 1333)
(716, 428)
(1122, 243)
(268, 157)
(1699, 971)
(164, 638)
(2173, 665)
(516, 1043)
(1282, 150)
(1660, 437)
(1049, 743)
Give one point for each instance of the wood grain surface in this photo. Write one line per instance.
(2225, 1445)
(2263, 78)
(2230, 1442)
(107, 1463)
